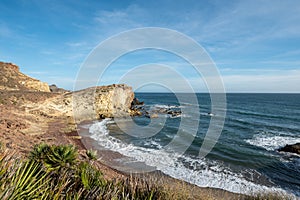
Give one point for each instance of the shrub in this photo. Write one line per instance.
(89, 176)
(91, 154)
(54, 157)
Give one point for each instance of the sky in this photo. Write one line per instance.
(255, 44)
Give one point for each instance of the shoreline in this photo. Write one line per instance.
(106, 159)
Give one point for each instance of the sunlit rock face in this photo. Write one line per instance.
(102, 102)
(12, 79)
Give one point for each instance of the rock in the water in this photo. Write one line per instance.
(293, 148)
(153, 115)
(136, 102)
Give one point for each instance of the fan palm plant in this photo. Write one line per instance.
(54, 157)
(28, 181)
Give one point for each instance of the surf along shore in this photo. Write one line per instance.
(32, 113)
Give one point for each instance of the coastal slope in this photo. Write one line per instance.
(30, 113)
(12, 79)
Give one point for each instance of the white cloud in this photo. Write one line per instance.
(281, 81)
(115, 21)
(76, 44)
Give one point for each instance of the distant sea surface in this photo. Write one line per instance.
(245, 158)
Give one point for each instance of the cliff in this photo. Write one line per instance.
(109, 101)
(30, 113)
(12, 79)
(90, 104)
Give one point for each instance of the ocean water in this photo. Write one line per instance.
(244, 159)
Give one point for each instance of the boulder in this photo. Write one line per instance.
(293, 148)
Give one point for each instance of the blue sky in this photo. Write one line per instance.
(255, 44)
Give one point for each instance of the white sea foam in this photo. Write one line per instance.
(272, 141)
(166, 106)
(201, 172)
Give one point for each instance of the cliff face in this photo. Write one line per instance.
(101, 102)
(90, 104)
(12, 79)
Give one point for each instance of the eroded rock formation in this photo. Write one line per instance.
(12, 79)
(95, 102)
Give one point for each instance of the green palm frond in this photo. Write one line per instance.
(28, 182)
(89, 176)
(91, 154)
(54, 157)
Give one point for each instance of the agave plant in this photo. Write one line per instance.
(61, 157)
(91, 154)
(39, 152)
(89, 176)
(54, 157)
(5, 166)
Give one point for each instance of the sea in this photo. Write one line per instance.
(244, 158)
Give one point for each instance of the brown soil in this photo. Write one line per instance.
(20, 130)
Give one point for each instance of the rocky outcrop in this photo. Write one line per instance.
(293, 148)
(88, 104)
(102, 101)
(28, 107)
(54, 88)
(136, 103)
(30, 114)
(12, 79)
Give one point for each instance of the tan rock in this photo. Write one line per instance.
(102, 101)
(13, 79)
(154, 115)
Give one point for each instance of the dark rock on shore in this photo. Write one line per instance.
(137, 107)
(136, 102)
(293, 148)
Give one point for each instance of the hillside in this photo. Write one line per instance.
(12, 79)
(30, 113)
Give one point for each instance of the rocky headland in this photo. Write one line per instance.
(32, 112)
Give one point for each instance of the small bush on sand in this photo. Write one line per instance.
(91, 154)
